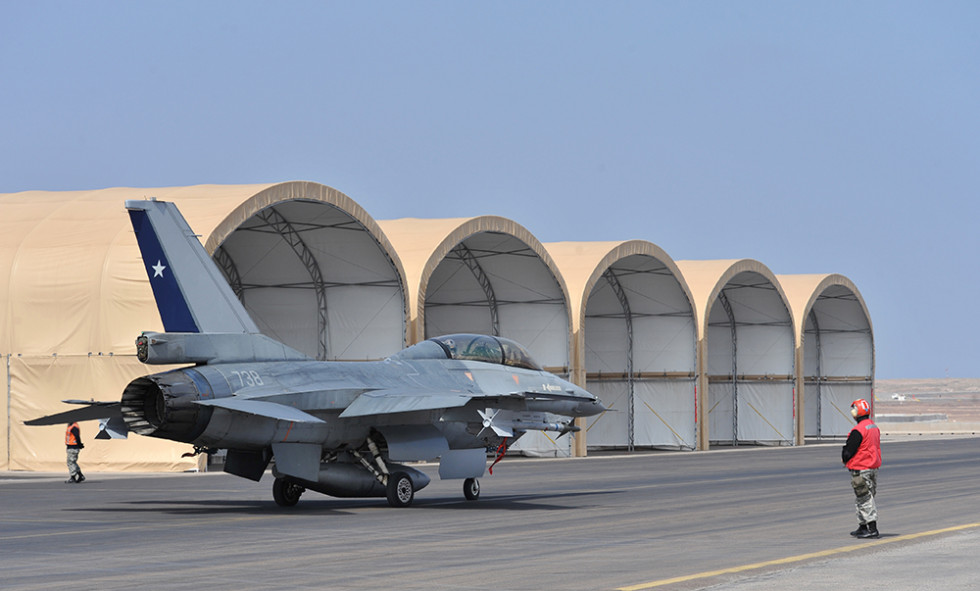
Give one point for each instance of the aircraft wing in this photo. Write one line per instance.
(381, 402)
(388, 401)
(261, 408)
(92, 410)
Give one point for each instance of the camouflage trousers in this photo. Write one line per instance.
(865, 484)
(73, 470)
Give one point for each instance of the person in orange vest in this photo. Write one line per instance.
(73, 441)
(862, 456)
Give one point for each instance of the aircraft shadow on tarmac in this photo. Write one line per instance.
(344, 506)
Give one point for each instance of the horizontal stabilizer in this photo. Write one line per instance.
(93, 410)
(270, 410)
(381, 402)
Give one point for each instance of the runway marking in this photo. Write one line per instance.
(118, 528)
(792, 559)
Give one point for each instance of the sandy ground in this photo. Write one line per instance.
(930, 406)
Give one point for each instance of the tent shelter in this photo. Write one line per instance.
(835, 351)
(636, 340)
(486, 275)
(74, 296)
(690, 352)
(747, 352)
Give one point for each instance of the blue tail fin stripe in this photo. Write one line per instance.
(174, 311)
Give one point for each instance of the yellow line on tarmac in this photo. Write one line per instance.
(792, 559)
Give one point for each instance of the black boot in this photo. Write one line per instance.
(872, 531)
(863, 528)
(71, 480)
(81, 477)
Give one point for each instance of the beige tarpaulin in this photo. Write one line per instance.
(37, 386)
(747, 352)
(74, 296)
(636, 339)
(835, 351)
(4, 420)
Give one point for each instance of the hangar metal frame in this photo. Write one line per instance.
(746, 350)
(836, 359)
(636, 343)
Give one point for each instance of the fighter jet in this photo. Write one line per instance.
(337, 428)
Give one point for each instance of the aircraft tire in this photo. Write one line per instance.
(400, 489)
(286, 494)
(471, 489)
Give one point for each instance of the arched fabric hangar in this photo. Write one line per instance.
(835, 357)
(747, 352)
(314, 271)
(486, 275)
(74, 296)
(635, 341)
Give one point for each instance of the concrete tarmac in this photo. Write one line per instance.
(733, 519)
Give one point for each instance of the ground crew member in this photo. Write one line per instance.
(862, 456)
(73, 441)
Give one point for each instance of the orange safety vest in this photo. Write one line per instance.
(70, 436)
(868, 455)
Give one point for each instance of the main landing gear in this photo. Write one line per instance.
(285, 493)
(400, 490)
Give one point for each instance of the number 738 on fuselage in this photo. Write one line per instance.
(338, 428)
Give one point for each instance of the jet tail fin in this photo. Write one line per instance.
(191, 293)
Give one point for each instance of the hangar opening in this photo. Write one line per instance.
(838, 361)
(750, 360)
(488, 275)
(316, 278)
(640, 355)
(493, 283)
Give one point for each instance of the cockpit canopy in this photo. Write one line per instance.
(472, 347)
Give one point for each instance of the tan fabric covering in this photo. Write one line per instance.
(707, 278)
(74, 296)
(423, 243)
(583, 263)
(37, 386)
(4, 449)
(803, 290)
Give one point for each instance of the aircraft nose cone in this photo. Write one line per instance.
(591, 408)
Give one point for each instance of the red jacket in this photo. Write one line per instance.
(868, 453)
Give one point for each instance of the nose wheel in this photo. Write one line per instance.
(471, 489)
(286, 494)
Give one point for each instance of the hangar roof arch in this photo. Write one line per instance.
(483, 274)
(836, 357)
(747, 351)
(636, 341)
(804, 291)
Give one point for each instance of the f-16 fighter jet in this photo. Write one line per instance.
(337, 428)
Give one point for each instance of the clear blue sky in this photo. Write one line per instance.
(820, 137)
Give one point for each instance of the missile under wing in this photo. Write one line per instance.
(339, 428)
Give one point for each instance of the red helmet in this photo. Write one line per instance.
(860, 408)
